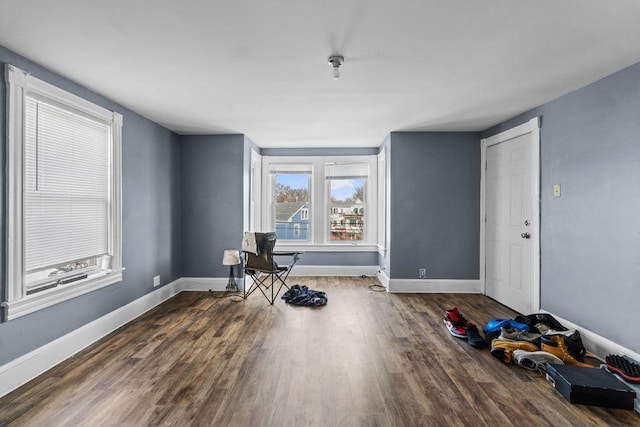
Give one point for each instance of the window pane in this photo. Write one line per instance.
(346, 205)
(292, 195)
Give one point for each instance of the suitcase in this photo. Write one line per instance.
(590, 386)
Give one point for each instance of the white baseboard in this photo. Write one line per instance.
(334, 270)
(435, 286)
(594, 343)
(23, 369)
(207, 283)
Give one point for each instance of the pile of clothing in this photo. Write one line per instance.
(302, 295)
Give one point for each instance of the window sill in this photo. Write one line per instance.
(333, 247)
(38, 301)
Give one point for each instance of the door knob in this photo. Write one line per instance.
(525, 235)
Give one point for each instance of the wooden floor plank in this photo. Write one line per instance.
(366, 359)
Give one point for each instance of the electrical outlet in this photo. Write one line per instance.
(156, 281)
(422, 273)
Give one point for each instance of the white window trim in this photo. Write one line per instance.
(255, 191)
(318, 219)
(16, 301)
(381, 193)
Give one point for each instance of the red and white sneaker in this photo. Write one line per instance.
(455, 323)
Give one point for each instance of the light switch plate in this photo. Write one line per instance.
(556, 190)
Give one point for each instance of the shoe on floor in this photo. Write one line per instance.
(535, 360)
(473, 336)
(624, 367)
(512, 334)
(503, 350)
(494, 325)
(455, 323)
(555, 344)
(571, 340)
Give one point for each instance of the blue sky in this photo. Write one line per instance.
(343, 188)
(297, 180)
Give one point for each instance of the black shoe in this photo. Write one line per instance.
(625, 368)
(473, 336)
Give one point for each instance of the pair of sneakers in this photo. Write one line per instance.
(460, 327)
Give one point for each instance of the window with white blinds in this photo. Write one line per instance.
(66, 196)
(63, 222)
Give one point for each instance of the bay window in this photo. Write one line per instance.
(321, 201)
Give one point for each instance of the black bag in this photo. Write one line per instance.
(541, 322)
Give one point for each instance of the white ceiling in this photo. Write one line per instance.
(260, 67)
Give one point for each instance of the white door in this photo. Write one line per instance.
(509, 238)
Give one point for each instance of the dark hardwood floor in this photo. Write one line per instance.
(365, 359)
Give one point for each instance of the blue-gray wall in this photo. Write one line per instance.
(590, 236)
(434, 204)
(212, 201)
(151, 222)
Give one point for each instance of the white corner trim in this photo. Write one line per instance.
(23, 369)
(334, 270)
(594, 343)
(384, 279)
(527, 127)
(33, 84)
(436, 286)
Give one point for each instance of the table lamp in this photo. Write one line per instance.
(231, 257)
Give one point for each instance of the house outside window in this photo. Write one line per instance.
(64, 212)
(347, 183)
(291, 189)
(330, 200)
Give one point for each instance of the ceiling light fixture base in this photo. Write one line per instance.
(336, 61)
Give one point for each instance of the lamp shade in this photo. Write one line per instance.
(231, 257)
